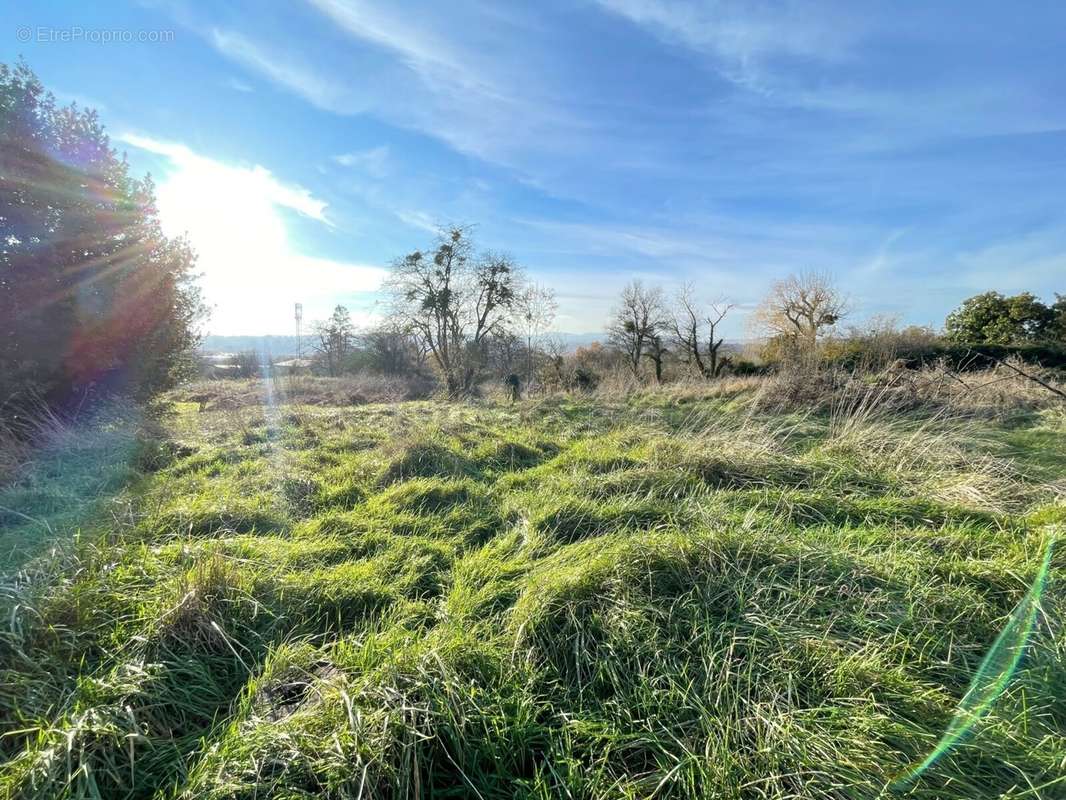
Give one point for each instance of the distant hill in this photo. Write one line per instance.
(287, 345)
(575, 340)
(272, 345)
(278, 346)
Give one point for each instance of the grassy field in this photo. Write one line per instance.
(670, 595)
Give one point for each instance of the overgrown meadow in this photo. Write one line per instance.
(665, 595)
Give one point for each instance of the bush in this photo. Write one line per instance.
(958, 357)
(585, 380)
(968, 357)
(743, 368)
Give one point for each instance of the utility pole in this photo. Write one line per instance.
(299, 340)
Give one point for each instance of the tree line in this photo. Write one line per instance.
(464, 316)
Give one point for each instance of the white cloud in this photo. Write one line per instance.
(418, 219)
(251, 272)
(374, 162)
(427, 53)
(883, 257)
(253, 181)
(744, 36)
(423, 72)
(757, 45)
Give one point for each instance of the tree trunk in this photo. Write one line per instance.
(529, 362)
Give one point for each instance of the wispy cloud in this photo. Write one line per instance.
(426, 52)
(487, 98)
(745, 37)
(418, 219)
(820, 59)
(375, 161)
(285, 70)
(237, 85)
(726, 141)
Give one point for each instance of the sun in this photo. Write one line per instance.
(238, 234)
(235, 218)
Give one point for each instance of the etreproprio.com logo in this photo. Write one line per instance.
(43, 34)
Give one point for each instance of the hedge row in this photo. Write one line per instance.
(964, 357)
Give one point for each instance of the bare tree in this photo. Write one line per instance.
(656, 352)
(335, 337)
(695, 331)
(392, 348)
(246, 364)
(535, 308)
(419, 348)
(556, 351)
(800, 307)
(637, 321)
(454, 300)
(504, 353)
(494, 283)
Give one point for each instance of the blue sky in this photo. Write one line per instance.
(916, 151)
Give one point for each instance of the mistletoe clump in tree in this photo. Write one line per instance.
(455, 300)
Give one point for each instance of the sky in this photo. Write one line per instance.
(915, 151)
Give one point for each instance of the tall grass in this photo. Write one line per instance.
(685, 593)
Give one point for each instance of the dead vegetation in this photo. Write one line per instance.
(349, 390)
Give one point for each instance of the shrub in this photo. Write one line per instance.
(741, 367)
(852, 355)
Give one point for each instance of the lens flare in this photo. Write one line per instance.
(994, 674)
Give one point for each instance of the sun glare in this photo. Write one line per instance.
(235, 217)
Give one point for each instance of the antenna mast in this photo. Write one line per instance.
(299, 340)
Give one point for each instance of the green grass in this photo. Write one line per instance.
(661, 597)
